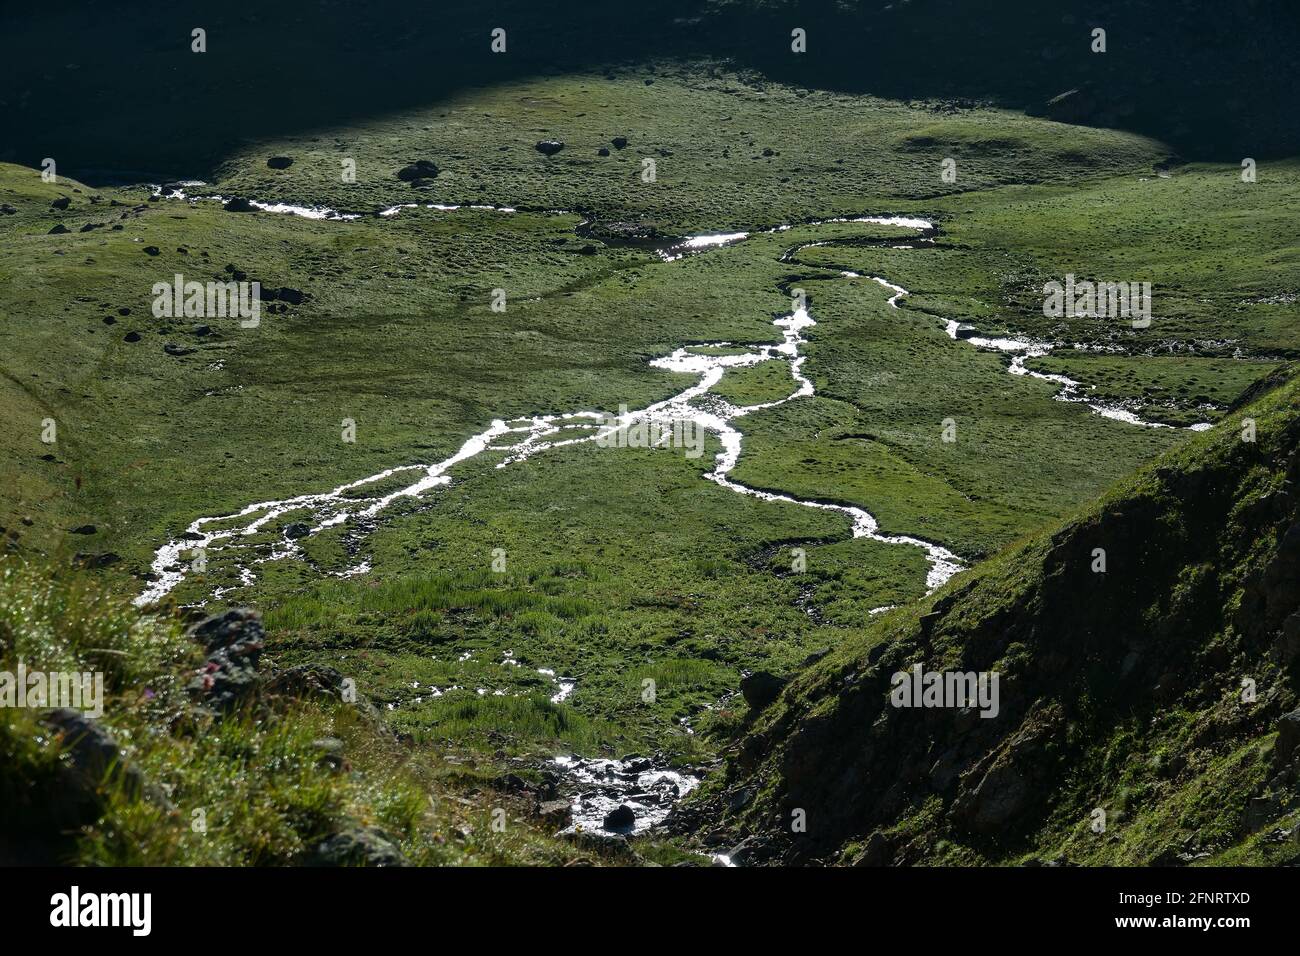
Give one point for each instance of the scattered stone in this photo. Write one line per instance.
(359, 846)
(151, 250)
(84, 529)
(61, 203)
(549, 147)
(511, 783)
(621, 817)
(58, 230)
(222, 630)
(603, 151)
(95, 758)
(171, 348)
(556, 812)
(761, 688)
(131, 337)
(607, 844)
(420, 169)
(297, 529)
(620, 142)
(234, 643)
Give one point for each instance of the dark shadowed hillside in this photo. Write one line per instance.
(1161, 692)
(121, 94)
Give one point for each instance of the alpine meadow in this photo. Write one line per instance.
(708, 433)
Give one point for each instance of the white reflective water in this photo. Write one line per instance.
(233, 537)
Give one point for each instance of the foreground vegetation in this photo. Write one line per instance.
(289, 777)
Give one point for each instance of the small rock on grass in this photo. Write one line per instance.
(358, 846)
(420, 169)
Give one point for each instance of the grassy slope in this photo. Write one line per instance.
(257, 776)
(1119, 691)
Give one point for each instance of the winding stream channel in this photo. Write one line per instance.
(650, 789)
(519, 439)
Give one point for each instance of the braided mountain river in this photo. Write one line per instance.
(222, 537)
(648, 787)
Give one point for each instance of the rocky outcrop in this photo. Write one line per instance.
(234, 642)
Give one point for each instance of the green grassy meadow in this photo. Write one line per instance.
(620, 565)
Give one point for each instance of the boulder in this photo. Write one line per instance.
(558, 813)
(620, 142)
(234, 641)
(280, 162)
(761, 688)
(549, 147)
(621, 817)
(95, 758)
(357, 846)
(420, 169)
(297, 529)
(238, 204)
(222, 630)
